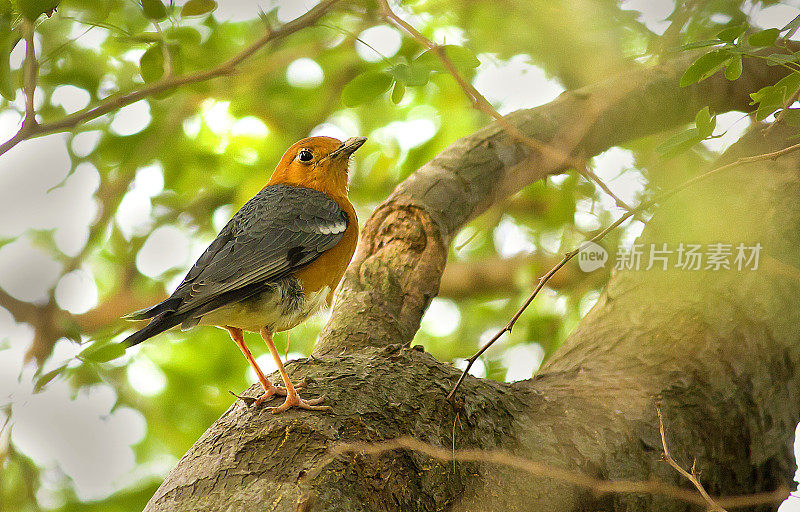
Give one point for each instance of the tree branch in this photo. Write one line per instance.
(117, 101)
(599, 236)
(480, 102)
(405, 241)
(714, 344)
(538, 469)
(707, 500)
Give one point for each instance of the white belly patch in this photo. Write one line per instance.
(278, 309)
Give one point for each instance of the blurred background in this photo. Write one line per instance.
(107, 218)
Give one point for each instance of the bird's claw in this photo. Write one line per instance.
(269, 392)
(248, 400)
(300, 403)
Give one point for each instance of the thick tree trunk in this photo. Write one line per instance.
(721, 348)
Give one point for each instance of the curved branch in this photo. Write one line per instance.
(719, 348)
(404, 244)
(117, 101)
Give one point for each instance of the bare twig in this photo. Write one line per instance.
(477, 99)
(590, 176)
(118, 101)
(169, 68)
(30, 74)
(599, 236)
(691, 476)
(556, 156)
(538, 469)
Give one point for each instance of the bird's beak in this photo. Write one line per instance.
(348, 147)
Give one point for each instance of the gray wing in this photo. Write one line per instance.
(280, 230)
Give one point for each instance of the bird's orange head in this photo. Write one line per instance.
(319, 163)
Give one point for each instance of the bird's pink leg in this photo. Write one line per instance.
(270, 389)
(292, 399)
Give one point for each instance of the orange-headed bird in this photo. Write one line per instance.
(276, 262)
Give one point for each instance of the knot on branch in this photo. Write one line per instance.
(394, 276)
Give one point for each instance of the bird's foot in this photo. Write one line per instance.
(293, 400)
(271, 390)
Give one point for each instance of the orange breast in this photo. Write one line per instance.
(328, 269)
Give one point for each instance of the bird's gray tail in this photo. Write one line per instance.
(156, 326)
(163, 318)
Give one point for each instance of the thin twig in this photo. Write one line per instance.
(30, 75)
(590, 176)
(713, 505)
(118, 101)
(599, 236)
(166, 56)
(556, 156)
(477, 99)
(538, 469)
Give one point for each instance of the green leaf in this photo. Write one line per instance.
(184, 35)
(730, 34)
(792, 25)
(144, 37)
(776, 59)
(769, 99)
(151, 65)
(764, 38)
(766, 108)
(704, 67)
(412, 75)
(705, 123)
(365, 88)
(700, 44)
(154, 10)
(461, 57)
(398, 92)
(733, 70)
(678, 143)
(789, 83)
(763, 93)
(32, 9)
(7, 40)
(198, 7)
(792, 116)
(102, 352)
(45, 379)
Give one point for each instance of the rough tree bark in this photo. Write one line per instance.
(721, 348)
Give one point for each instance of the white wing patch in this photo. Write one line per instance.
(332, 229)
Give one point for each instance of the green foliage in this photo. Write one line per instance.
(7, 42)
(705, 66)
(729, 50)
(365, 88)
(764, 37)
(704, 124)
(772, 97)
(371, 84)
(152, 62)
(154, 10)
(32, 9)
(198, 7)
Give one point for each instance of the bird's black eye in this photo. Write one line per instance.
(305, 155)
